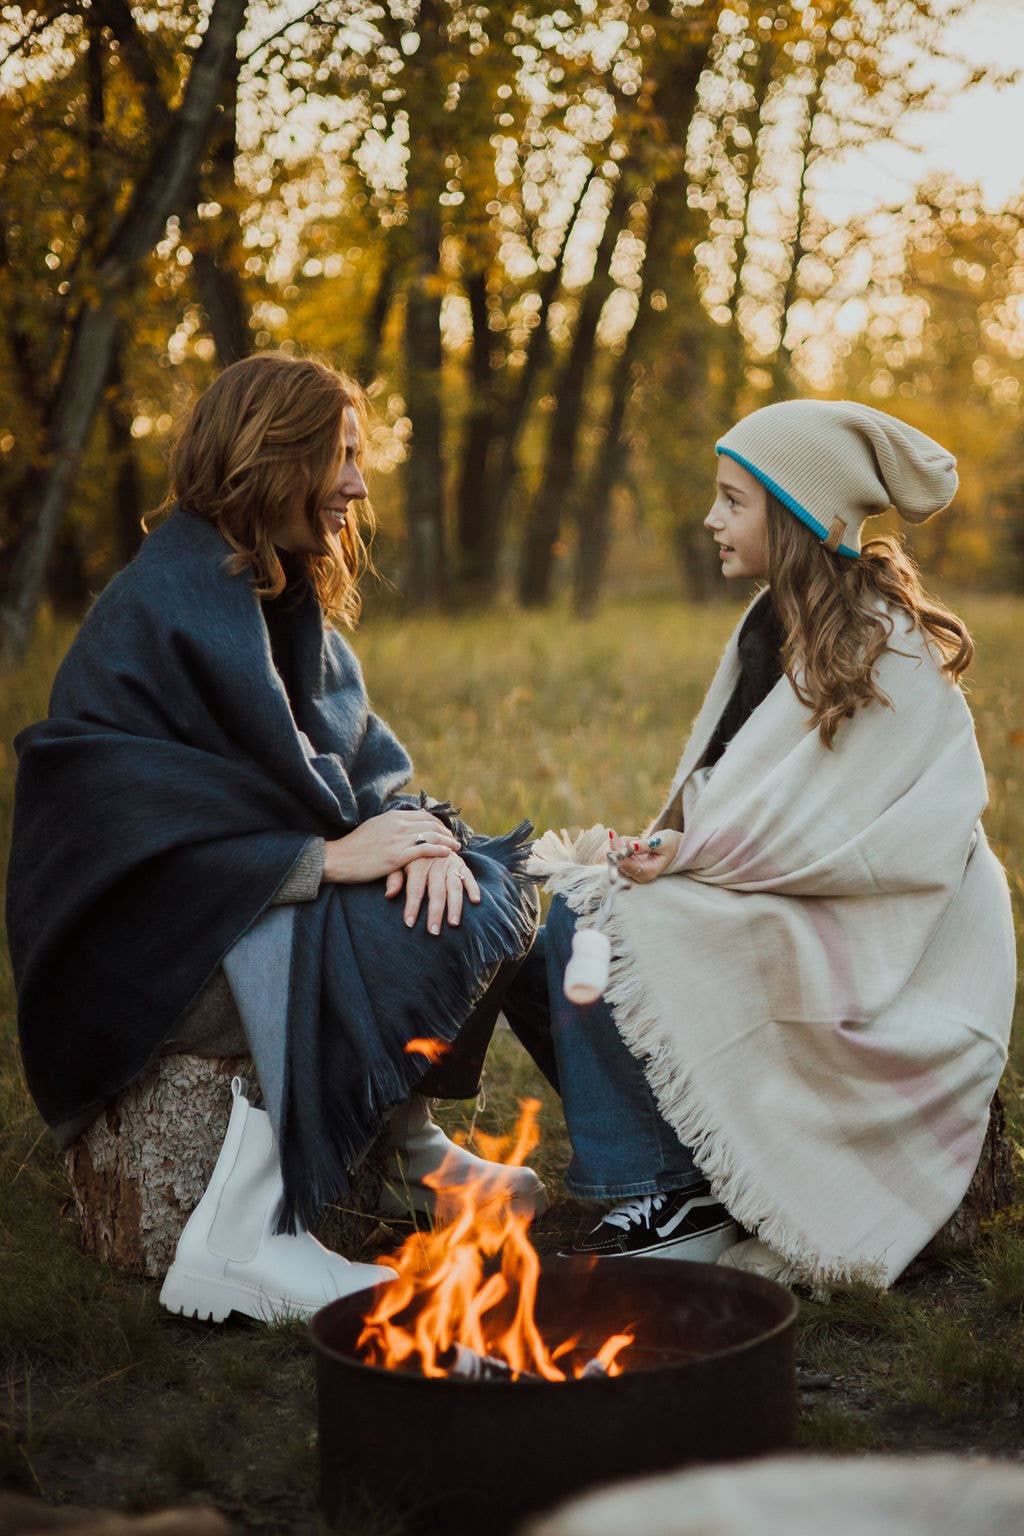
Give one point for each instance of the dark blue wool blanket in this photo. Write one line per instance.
(158, 810)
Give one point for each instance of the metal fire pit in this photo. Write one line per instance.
(710, 1377)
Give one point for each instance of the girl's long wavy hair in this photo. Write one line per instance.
(267, 435)
(834, 632)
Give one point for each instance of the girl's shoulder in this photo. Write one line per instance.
(910, 668)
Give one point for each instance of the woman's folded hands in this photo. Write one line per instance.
(411, 849)
(444, 882)
(383, 844)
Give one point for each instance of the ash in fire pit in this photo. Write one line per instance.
(486, 1384)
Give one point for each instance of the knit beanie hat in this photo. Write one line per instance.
(833, 463)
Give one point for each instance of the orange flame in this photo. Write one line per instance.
(433, 1050)
(472, 1280)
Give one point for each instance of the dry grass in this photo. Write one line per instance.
(103, 1399)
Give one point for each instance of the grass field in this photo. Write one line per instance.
(104, 1400)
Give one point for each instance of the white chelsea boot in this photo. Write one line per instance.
(230, 1259)
(420, 1148)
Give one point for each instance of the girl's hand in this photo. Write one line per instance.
(443, 880)
(645, 858)
(386, 843)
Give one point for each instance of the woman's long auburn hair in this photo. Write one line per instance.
(267, 435)
(834, 632)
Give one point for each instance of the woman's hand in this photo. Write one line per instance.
(645, 858)
(387, 843)
(443, 881)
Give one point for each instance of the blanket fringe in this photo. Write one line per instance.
(569, 868)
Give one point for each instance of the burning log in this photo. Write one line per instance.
(466, 1365)
(463, 1302)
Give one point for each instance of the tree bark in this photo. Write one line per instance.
(141, 1168)
(992, 1188)
(733, 344)
(558, 469)
(214, 242)
(796, 248)
(476, 530)
(159, 192)
(426, 567)
(377, 313)
(504, 468)
(128, 507)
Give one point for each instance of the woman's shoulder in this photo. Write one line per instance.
(175, 597)
(179, 572)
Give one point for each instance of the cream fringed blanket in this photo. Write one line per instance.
(822, 995)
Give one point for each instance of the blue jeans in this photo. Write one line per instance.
(621, 1144)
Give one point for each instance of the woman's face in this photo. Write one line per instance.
(739, 521)
(293, 531)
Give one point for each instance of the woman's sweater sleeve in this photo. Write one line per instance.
(302, 882)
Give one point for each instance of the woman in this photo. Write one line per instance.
(813, 978)
(211, 786)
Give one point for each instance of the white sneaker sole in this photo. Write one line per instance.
(703, 1249)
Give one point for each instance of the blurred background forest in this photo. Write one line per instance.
(563, 249)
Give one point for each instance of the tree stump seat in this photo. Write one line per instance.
(141, 1168)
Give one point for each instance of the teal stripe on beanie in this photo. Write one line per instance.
(787, 500)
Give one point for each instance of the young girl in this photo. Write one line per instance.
(207, 830)
(813, 976)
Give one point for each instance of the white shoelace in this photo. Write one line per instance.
(631, 1212)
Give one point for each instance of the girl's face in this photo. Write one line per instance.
(293, 531)
(739, 521)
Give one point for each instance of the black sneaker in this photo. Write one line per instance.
(680, 1224)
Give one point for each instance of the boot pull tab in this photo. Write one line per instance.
(239, 1087)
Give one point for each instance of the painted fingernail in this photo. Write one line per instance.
(408, 922)
(435, 927)
(636, 846)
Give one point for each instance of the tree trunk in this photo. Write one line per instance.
(734, 348)
(426, 567)
(214, 242)
(505, 461)
(377, 314)
(476, 531)
(796, 248)
(159, 192)
(128, 509)
(140, 1170)
(220, 293)
(559, 466)
(698, 564)
(425, 582)
(992, 1188)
